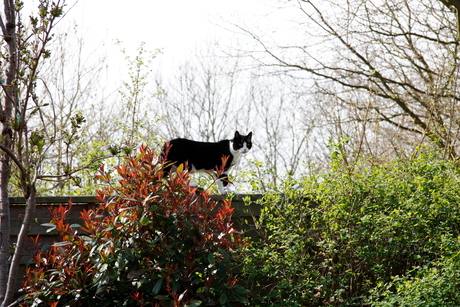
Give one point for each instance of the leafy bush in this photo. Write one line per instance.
(437, 285)
(329, 239)
(152, 242)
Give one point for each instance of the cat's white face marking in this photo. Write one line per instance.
(245, 148)
(239, 151)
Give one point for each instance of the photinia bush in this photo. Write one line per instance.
(153, 241)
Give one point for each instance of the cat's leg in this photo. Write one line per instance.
(224, 185)
(220, 186)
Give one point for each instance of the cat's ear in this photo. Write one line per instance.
(237, 134)
(249, 135)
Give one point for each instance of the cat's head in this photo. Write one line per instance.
(242, 143)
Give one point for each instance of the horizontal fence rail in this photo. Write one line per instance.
(244, 215)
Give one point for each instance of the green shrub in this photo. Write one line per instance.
(152, 242)
(329, 242)
(436, 285)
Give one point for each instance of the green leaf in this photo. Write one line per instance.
(156, 289)
(211, 258)
(50, 229)
(195, 303)
(162, 297)
(50, 225)
(223, 299)
(136, 274)
(225, 254)
(113, 274)
(144, 221)
(64, 243)
(101, 289)
(241, 299)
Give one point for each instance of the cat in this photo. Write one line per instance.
(207, 157)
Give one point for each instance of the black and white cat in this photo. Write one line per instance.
(208, 156)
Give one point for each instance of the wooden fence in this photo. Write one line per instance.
(243, 216)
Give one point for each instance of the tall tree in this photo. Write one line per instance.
(8, 25)
(135, 122)
(390, 62)
(24, 140)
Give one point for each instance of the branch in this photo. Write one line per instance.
(7, 93)
(2, 26)
(9, 11)
(384, 82)
(390, 121)
(21, 166)
(69, 174)
(450, 3)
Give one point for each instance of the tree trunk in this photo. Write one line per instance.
(22, 238)
(10, 93)
(4, 224)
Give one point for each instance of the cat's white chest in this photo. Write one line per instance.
(236, 155)
(236, 158)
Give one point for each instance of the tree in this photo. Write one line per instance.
(134, 116)
(389, 62)
(202, 100)
(285, 124)
(68, 79)
(455, 6)
(26, 134)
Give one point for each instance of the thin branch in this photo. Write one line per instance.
(69, 174)
(2, 26)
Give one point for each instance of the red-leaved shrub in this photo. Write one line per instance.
(153, 241)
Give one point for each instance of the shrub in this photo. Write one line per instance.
(152, 242)
(329, 239)
(436, 285)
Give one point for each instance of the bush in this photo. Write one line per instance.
(331, 241)
(437, 285)
(152, 242)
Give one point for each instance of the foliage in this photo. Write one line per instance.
(152, 242)
(135, 124)
(329, 239)
(436, 286)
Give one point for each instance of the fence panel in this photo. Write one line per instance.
(243, 215)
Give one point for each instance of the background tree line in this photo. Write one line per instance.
(380, 80)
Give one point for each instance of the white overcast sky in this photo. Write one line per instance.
(175, 26)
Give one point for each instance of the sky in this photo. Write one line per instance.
(177, 27)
